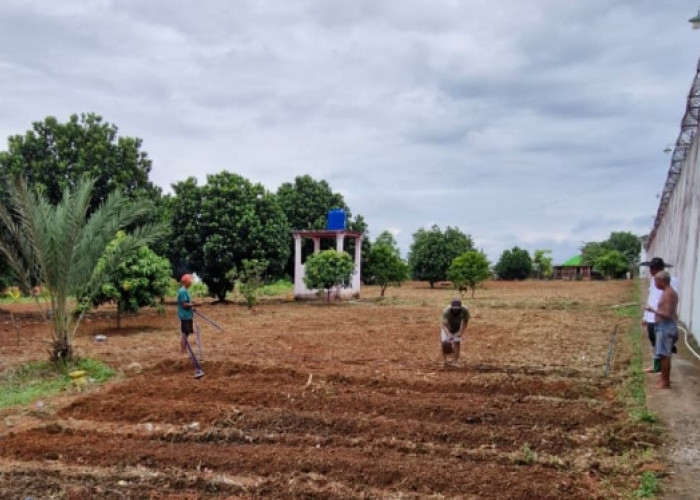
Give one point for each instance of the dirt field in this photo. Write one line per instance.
(348, 400)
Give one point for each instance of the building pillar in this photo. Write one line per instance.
(339, 238)
(356, 277)
(298, 267)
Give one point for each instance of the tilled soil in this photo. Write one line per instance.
(345, 400)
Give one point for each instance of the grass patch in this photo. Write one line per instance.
(636, 395)
(634, 388)
(628, 311)
(279, 287)
(42, 378)
(648, 485)
(15, 300)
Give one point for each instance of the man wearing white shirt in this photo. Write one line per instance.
(648, 320)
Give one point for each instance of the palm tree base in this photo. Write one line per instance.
(61, 351)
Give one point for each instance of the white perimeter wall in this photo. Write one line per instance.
(677, 238)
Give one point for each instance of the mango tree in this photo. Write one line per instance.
(218, 225)
(384, 265)
(139, 280)
(469, 270)
(328, 269)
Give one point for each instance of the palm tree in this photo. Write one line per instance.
(59, 246)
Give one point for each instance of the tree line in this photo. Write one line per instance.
(81, 217)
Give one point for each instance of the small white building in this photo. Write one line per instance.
(301, 292)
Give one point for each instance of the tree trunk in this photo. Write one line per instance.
(383, 288)
(62, 351)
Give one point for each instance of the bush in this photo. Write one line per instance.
(328, 269)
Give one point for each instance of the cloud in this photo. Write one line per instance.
(524, 123)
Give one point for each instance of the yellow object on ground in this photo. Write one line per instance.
(78, 377)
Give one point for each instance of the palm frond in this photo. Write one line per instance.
(99, 229)
(18, 239)
(115, 213)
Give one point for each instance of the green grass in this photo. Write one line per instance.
(279, 287)
(20, 300)
(200, 290)
(634, 388)
(635, 383)
(648, 485)
(628, 311)
(41, 379)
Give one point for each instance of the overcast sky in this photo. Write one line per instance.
(537, 123)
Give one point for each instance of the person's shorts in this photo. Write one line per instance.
(187, 326)
(446, 336)
(666, 337)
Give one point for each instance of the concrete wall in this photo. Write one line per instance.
(677, 239)
(675, 236)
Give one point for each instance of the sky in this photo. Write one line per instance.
(533, 123)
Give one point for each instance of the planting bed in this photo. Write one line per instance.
(347, 400)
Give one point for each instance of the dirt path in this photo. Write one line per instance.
(678, 412)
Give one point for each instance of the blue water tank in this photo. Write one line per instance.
(336, 219)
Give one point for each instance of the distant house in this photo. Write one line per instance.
(573, 269)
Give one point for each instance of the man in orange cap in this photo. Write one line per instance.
(185, 311)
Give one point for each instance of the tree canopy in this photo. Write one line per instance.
(468, 270)
(611, 264)
(432, 251)
(306, 202)
(217, 225)
(327, 269)
(137, 281)
(542, 264)
(386, 238)
(385, 266)
(625, 243)
(514, 264)
(628, 244)
(54, 156)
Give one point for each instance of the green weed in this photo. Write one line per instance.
(628, 311)
(524, 456)
(634, 392)
(40, 379)
(634, 388)
(648, 485)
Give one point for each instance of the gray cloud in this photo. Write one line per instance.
(523, 123)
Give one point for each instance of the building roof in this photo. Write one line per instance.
(573, 262)
(326, 233)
